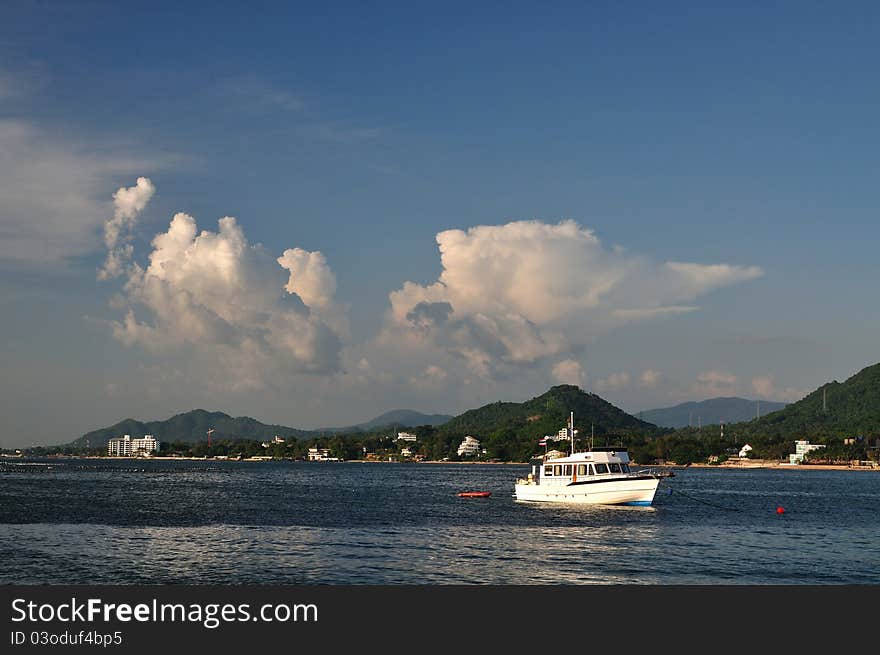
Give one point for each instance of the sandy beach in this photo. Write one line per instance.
(766, 464)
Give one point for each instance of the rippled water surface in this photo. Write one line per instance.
(119, 522)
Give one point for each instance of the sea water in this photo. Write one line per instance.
(89, 521)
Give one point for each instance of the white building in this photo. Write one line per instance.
(319, 454)
(406, 436)
(145, 446)
(744, 451)
(120, 447)
(470, 446)
(128, 447)
(278, 439)
(801, 448)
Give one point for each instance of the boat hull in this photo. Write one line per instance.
(624, 491)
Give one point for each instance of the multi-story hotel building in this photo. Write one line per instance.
(128, 447)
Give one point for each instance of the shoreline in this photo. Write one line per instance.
(733, 466)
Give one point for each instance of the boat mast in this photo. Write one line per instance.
(571, 431)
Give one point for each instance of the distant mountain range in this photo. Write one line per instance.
(403, 418)
(848, 408)
(193, 426)
(711, 411)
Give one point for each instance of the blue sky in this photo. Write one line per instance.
(743, 135)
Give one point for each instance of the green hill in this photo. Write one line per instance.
(849, 409)
(189, 427)
(832, 413)
(511, 430)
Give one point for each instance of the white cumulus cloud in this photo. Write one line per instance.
(315, 284)
(569, 371)
(650, 378)
(232, 305)
(714, 383)
(764, 387)
(128, 203)
(516, 294)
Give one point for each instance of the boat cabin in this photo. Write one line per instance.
(564, 470)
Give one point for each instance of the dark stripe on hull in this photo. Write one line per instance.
(640, 477)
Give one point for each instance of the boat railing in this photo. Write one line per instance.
(657, 471)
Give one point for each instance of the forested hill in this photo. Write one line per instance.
(849, 409)
(546, 415)
(189, 427)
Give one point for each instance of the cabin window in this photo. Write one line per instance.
(567, 470)
(590, 469)
(624, 468)
(601, 468)
(583, 468)
(557, 469)
(548, 470)
(615, 468)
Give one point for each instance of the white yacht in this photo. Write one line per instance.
(597, 477)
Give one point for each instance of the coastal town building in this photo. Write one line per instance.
(469, 446)
(125, 446)
(744, 451)
(801, 448)
(406, 436)
(320, 455)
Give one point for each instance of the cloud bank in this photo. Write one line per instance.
(528, 291)
(243, 314)
(514, 301)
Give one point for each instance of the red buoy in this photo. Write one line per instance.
(475, 494)
(780, 510)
